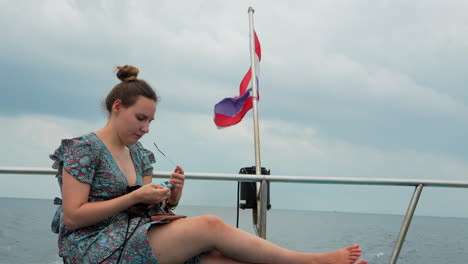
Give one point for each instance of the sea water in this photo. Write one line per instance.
(25, 235)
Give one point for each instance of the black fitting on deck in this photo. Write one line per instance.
(248, 190)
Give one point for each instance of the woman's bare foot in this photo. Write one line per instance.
(347, 255)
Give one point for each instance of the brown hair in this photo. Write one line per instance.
(129, 89)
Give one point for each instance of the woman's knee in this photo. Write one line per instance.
(213, 222)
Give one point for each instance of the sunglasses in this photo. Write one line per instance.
(160, 151)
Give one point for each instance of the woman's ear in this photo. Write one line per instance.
(117, 105)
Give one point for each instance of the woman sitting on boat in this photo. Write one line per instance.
(101, 218)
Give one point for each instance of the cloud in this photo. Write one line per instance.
(28, 141)
(322, 55)
(31, 138)
(308, 152)
(295, 149)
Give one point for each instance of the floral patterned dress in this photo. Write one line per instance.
(121, 238)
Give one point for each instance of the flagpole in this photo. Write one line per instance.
(261, 187)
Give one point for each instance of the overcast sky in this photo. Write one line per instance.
(374, 89)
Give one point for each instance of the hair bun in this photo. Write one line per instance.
(127, 73)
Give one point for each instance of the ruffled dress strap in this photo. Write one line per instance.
(78, 157)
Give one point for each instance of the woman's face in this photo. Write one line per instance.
(133, 122)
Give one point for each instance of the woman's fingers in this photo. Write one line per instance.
(178, 177)
(179, 170)
(175, 180)
(153, 193)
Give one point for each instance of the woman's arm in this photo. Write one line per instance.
(147, 179)
(78, 212)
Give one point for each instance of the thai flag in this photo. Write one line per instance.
(231, 110)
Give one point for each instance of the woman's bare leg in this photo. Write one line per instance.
(215, 257)
(180, 240)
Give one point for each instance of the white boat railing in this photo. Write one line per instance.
(417, 183)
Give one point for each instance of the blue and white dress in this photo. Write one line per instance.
(88, 160)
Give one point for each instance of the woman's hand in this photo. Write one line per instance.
(177, 180)
(152, 193)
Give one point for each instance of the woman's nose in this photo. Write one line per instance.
(145, 128)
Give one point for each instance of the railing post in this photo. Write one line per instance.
(406, 223)
(262, 209)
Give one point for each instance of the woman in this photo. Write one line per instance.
(96, 223)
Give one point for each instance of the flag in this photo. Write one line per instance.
(231, 110)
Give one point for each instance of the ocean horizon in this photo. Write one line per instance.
(25, 235)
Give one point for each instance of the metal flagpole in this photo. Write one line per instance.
(262, 186)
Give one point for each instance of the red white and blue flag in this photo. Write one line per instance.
(231, 110)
